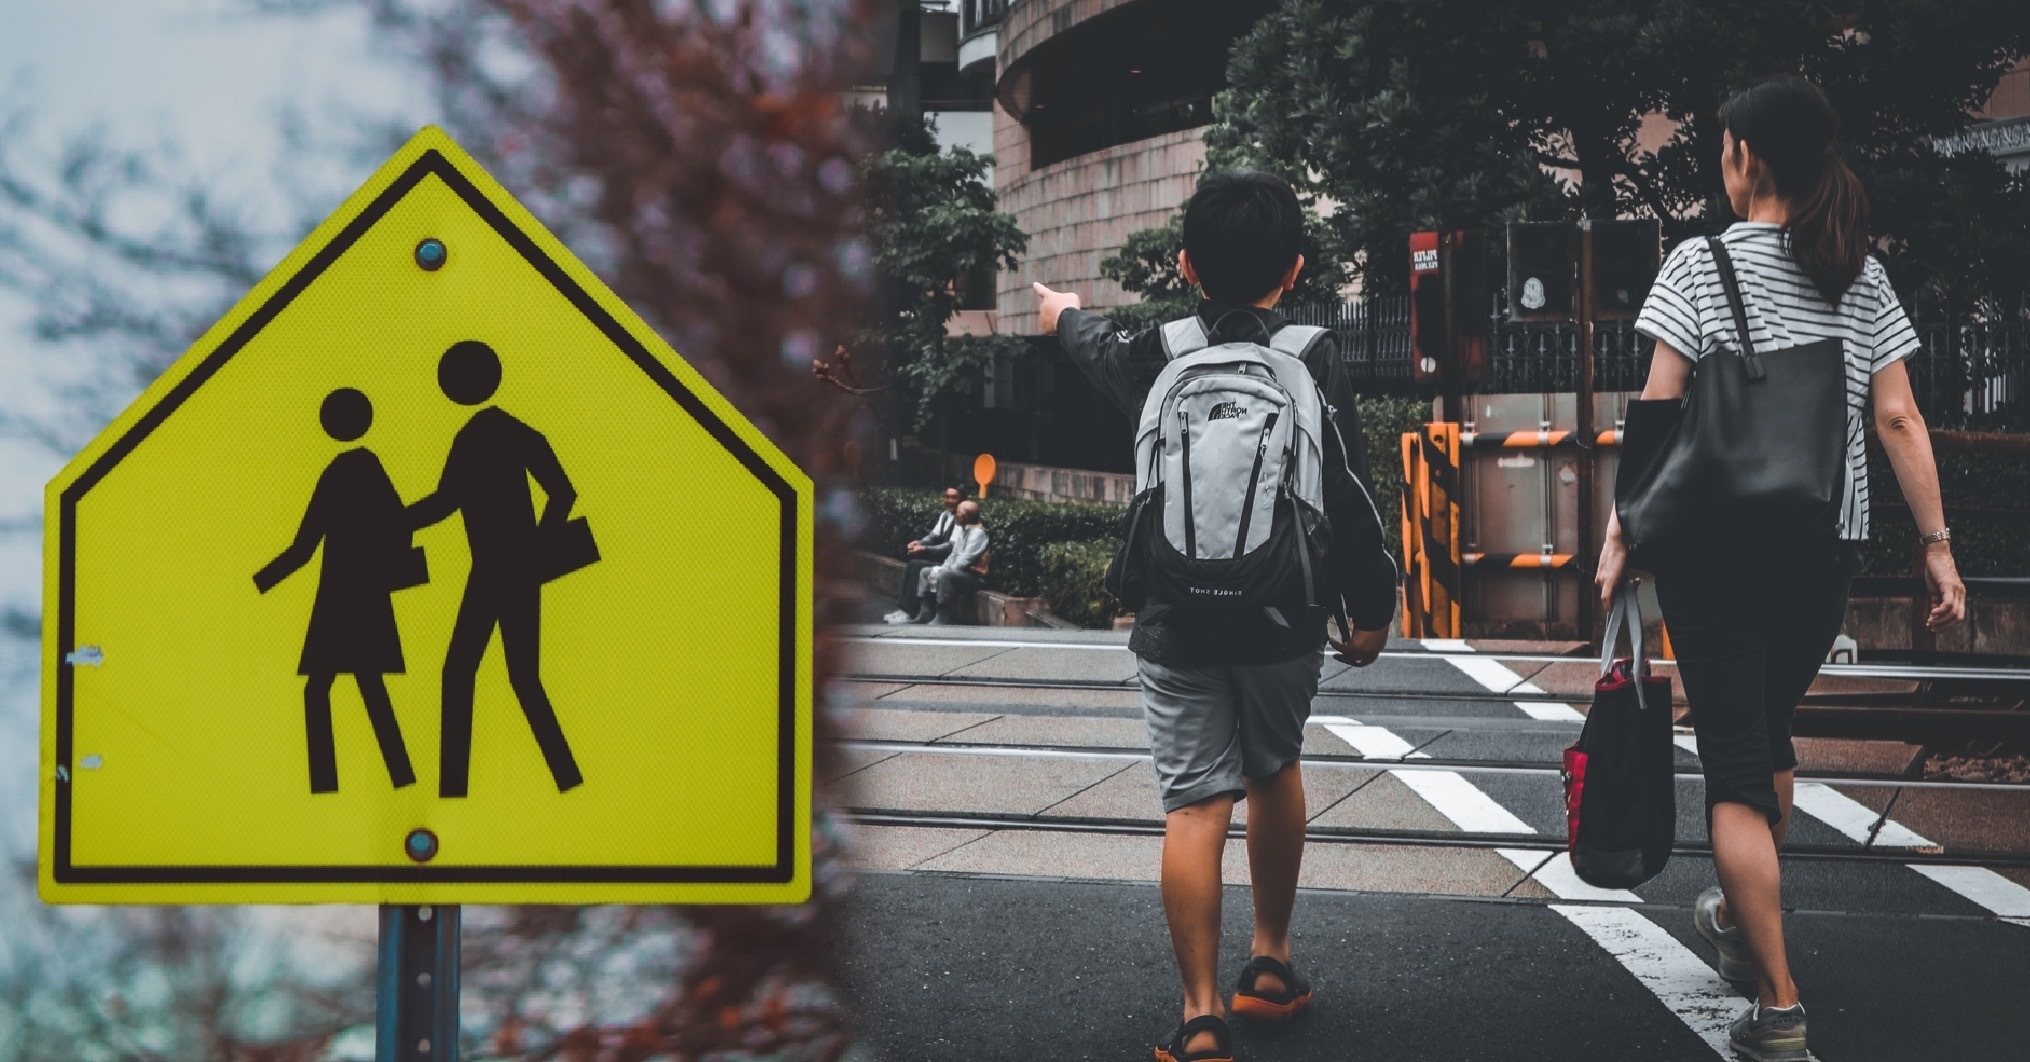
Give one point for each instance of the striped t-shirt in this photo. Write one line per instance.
(1688, 310)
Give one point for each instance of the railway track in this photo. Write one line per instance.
(1418, 838)
(1948, 703)
(1424, 763)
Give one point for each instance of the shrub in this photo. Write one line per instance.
(1019, 530)
(1983, 542)
(1075, 581)
(1383, 421)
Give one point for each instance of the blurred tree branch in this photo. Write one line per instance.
(699, 157)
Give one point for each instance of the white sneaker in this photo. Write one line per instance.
(897, 616)
(1736, 965)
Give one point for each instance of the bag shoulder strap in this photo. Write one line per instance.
(1724, 262)
(1295, 339)
(1186, 335)
(1625, 615)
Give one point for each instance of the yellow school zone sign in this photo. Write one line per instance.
(429, 575)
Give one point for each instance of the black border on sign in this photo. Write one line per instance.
(433, 163)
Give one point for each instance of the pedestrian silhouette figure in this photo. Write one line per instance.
(486, 479)
(355, 512)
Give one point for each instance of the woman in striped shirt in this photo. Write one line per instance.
(1751, 630)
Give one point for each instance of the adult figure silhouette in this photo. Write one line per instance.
(486, 480)
(355, 512)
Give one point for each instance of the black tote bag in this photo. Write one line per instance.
(1620, 782)
(1753, 452)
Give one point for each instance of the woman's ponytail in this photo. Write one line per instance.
(1788, 123)
(1829, 230)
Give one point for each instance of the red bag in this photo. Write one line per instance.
(1620, 781)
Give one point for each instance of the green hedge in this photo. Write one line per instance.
(1075, 582)
(1981, 545)
(1383, 421)
(1018, 529)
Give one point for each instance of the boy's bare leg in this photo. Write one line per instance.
(1194, 842)
(1276, 820)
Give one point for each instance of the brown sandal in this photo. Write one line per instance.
(1222, 1037)
(1293, 999)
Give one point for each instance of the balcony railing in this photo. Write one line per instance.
(978, 15)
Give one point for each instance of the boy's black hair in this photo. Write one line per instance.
(1242, 229)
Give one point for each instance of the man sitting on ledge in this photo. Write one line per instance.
(963, 568)
(924, 554)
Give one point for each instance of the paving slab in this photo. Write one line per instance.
(1068, 731)
(1967, 820)
(1542, 746)
(1404, 868)
(902, 847)
(893, 724)
(1319, 741)
(852, 760)
(1056, 854)
(1384, 803)
(1851, 756)
(1041, 635)
(1132, 794)
(1404, 673)
(1423, 707)
(874, 658)
(990, 785)
(1573, 682)
(1530, 647)
(1053, 665)
(861, 691)
(1415, 736)
(1008, 698)
(1128, 794)
(1119, 857)
(955, 968)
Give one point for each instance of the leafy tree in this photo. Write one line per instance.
(1394, 115)
(931, 218)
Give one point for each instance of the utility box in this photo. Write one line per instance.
(1522, 566)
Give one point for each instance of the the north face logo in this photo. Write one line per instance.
(1227, 411)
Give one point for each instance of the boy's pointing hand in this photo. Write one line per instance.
(1050, 304)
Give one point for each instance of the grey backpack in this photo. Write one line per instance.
(1229, 512)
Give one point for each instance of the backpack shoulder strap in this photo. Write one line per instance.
(1296, 339)
(1183, 336)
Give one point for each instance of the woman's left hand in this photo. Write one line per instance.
(1612, 566)
(1948, 593)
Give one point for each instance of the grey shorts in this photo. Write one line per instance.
(1210, 727)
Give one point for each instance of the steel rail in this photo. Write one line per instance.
(1421, 763)
(1884, 671)
(1419, 838)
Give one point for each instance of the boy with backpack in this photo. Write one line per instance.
(1250, 526)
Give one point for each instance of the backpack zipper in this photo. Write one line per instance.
(1190, 524)
(1254, 478)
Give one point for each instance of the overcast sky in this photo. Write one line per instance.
(189, 73)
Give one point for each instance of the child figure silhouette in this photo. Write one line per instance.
(357, 515)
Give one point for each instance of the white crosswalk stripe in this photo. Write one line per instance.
(1470, 809)
(1677, 977)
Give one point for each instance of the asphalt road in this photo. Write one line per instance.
(947, 967)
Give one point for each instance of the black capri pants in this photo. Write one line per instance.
(1749, 634)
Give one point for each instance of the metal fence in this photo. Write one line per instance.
(1972, 374)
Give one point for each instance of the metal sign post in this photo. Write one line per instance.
(417, 998)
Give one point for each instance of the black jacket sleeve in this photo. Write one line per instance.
(1107, 357)
(1362, 569)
